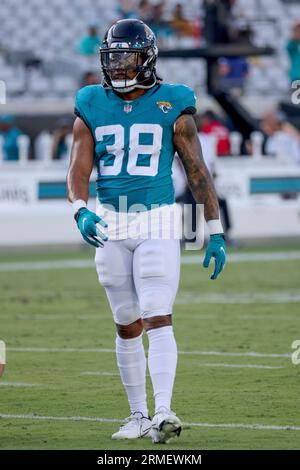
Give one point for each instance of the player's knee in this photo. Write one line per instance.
(126, 313)
(130, 331)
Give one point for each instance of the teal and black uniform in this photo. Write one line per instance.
(134, 141)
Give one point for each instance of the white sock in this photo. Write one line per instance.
(162, 361)
(131, 361)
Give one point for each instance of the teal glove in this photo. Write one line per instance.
(86, 222)
(216, 248)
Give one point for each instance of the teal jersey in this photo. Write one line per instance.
(293, 49)
(134, 142)
(10, 143)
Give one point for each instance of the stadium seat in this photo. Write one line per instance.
(52, 31)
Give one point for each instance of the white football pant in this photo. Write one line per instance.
(140, 277)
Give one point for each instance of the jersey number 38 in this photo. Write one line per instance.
(135, 149)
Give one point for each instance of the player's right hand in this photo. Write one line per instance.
(87, 223)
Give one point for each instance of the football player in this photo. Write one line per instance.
(130, 127)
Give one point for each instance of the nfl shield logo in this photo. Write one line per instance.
(127, 108)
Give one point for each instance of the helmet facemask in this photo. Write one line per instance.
(126, 68)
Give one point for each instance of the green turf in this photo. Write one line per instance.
(68, 309)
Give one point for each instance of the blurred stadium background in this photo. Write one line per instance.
(242, 58)
(248, 124)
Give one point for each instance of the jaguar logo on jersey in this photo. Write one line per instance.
(165, 106)
(127, 108)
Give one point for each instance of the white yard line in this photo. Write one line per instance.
(233, 354)
(289, 296)
(272, 317)
(266, 427)
(116, 374)
(103, 350)
(249, 257)
(63, 350)
(185, 259)
(101, 373)
(46, 265)
(17, 384)
(238, 366)
(242, 366)
(181, 316)
(60, 418)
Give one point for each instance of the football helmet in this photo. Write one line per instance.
(128, 56)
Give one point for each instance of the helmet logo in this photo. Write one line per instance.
(165, 106)
(120, 45)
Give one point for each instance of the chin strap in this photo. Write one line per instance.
(133, 86)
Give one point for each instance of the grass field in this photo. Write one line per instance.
(61, 388)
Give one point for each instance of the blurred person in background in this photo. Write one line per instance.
(293, 49)
(90, 43)
(10, 133)
(233, 73)
(161, 28)
(210, 123)
(90, 78)
(244, 35)
(281, 137)
(59, 143)
(179, 23)
(218, 21)
(126, 9)
(145, 10)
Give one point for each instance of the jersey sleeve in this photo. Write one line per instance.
(186, 103)
(81, 105)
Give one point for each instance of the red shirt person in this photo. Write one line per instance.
(208, 123)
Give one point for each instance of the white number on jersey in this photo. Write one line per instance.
(135, 148)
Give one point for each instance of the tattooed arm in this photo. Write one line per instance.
(188, 146)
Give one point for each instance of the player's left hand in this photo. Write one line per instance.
(216, 248)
